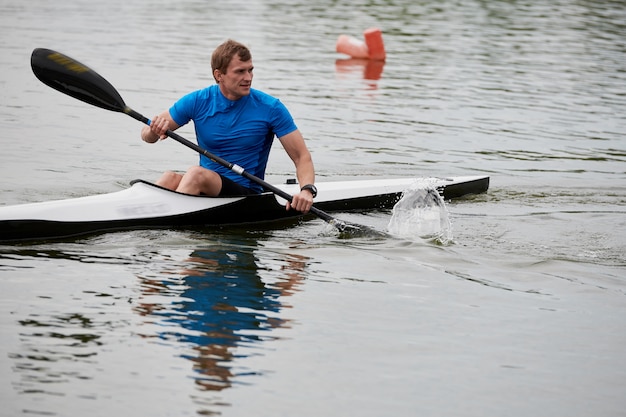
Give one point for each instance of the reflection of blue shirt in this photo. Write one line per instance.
(240, 131)
(223, 301)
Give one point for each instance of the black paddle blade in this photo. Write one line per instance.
(351, 230)
(75, 79)
(346, 230)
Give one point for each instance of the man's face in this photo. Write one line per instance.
(237, 80)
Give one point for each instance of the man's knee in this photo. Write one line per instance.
(197, 172)
(169, 179)
(199, 180)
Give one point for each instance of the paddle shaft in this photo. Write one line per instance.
(233, 167)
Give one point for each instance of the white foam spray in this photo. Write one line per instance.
(421, 212)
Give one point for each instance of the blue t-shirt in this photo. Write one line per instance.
(241, 131)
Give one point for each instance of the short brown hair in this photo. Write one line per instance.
(224, 53)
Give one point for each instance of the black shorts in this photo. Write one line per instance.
(231, 188)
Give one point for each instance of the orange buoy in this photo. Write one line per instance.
(352, 46)
(375, 45)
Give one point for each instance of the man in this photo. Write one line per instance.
(237, 123)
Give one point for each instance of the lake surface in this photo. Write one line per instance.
(522, 313)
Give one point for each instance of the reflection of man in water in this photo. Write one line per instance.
(224, 303)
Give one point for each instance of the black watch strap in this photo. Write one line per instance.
(311, 188)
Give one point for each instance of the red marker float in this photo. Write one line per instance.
(374, 42)
(372, 48)
(352, 46)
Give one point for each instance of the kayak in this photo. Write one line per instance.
(144, 205)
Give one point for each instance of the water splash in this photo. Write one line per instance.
(421, 212)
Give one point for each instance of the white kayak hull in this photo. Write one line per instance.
(145, 205)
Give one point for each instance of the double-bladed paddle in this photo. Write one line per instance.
(79, 81)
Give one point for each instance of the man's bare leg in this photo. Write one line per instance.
(198, 180)
(170, 180)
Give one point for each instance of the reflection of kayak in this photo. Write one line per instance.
(145, 205)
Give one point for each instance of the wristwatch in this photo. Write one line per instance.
(311, 188)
